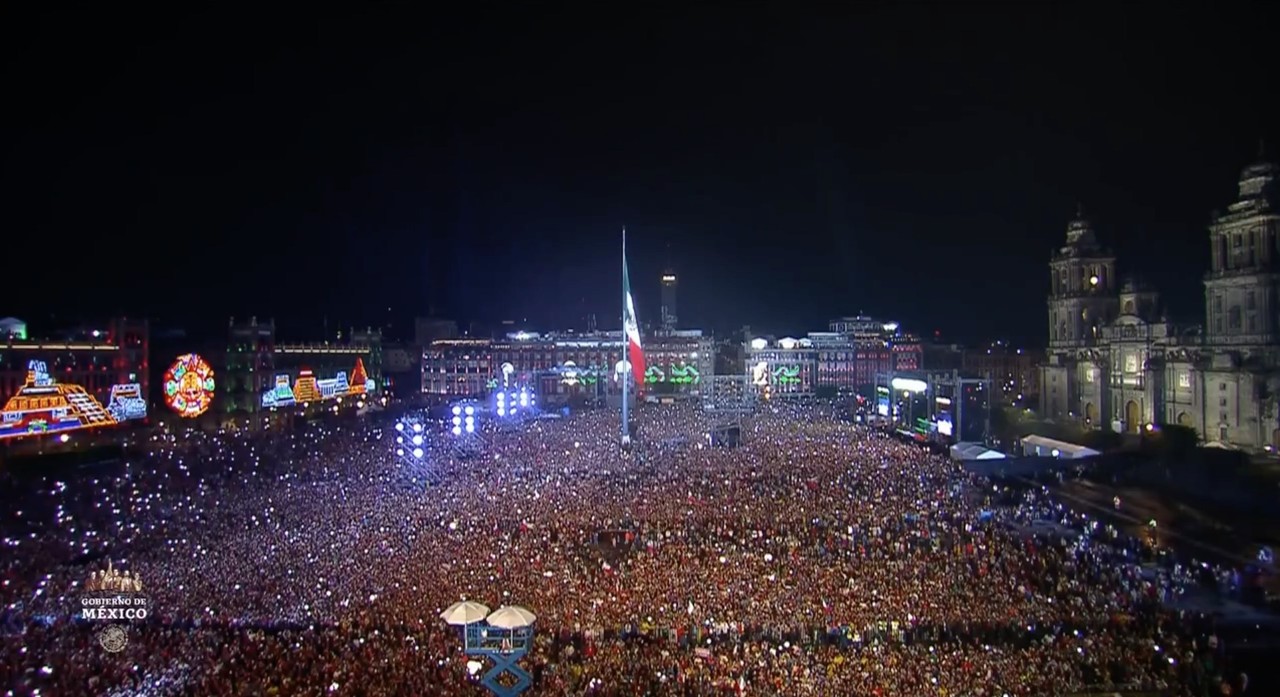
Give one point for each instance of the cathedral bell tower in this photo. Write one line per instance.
(1082, 288)
(1242, 288)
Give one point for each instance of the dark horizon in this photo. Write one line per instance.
(914, 163)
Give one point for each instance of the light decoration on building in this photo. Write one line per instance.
(42, 405)
(126, 402)
(569, 374)
(654, 374)
(760, 374)
(787, 375)
(307, 388)
(685, 375)
(189, 386)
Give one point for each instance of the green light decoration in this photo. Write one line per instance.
(685, 375)
(787, 375)
(654, 374)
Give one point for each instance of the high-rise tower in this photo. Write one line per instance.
(669, 286)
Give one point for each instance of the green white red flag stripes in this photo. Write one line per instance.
(630, 325)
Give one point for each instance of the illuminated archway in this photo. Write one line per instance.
(1184, 419)
(1132, 417)
(1090, 413)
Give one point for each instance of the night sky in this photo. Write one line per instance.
(916, 164)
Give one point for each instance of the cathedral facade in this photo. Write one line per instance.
(1115, 361)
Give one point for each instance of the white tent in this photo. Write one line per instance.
(967, 452)
(1039, 446)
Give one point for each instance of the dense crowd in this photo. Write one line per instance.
(815, 558)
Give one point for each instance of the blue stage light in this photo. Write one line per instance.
(471, 428)
(417, 428)
(399, 426)
(457, 411)
(457, 430)
(399, 452)
(471, 410)
(417, 452)
(457, 420)
(417, 440)
(501, 411)
(399, 440)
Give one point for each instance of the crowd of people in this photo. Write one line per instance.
(815, 558)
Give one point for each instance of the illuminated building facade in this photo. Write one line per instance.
(1115, 362)
(262, 377)
(845, 359)
(783, 368)
(86, 378)
(676, 360)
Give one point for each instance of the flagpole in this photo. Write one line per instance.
(626, 375)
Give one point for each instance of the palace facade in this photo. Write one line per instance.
(1116, 362)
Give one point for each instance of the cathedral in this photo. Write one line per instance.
(1116, 362)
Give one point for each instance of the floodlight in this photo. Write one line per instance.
(399, 452)
(501, 411)
(417, 452)
(417, 440)
(909, 385)
(399, 426)
(471, 428)
(457, 430)
(399, 440)
(417, 428)
(457, 410)
(524, 399)
(471, 410)
(471, 420)
(457, 420)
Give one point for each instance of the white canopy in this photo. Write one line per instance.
(973, 451)
(464, 612)
(511, 617)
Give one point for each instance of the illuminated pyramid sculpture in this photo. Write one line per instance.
(358, 378)
(42, 406)
(305, 388)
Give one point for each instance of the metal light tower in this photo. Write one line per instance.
(411, 448)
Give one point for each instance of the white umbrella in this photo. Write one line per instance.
(511, 617)
(464, 612)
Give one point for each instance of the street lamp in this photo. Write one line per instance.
(504, 636)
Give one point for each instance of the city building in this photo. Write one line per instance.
(670, 318)
(1014, 372)
(260, 378)
(1116, 362)
(844, 359)
(78, 380)
(565, 363)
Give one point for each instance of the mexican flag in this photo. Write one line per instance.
(630, 326)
